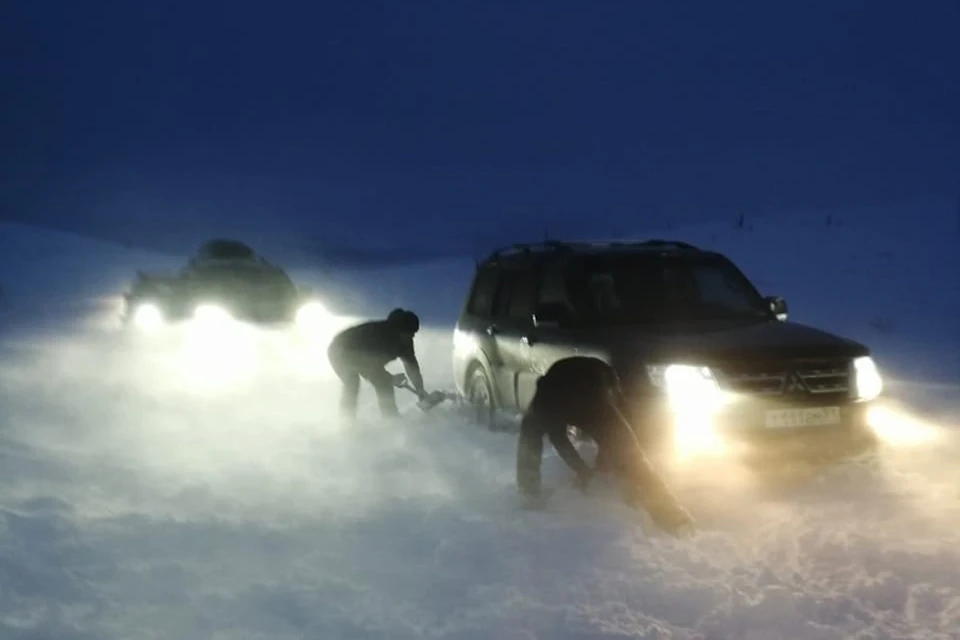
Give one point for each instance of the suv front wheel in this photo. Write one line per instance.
(479, 395)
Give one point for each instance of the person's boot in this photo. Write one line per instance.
(348, 410)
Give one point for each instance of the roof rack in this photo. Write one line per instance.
(655, 243)
(570, 247)
(533, 247)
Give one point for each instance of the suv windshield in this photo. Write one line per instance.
(631, 289)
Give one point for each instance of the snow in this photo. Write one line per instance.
(139, 502)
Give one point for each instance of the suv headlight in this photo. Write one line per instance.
(688, 387)
(867, 382)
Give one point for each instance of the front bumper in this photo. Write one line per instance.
(750, 427)
(762, 421)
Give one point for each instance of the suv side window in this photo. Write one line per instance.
(522, 294)
(501, 296)
(716, 287)
(553, 287)
(484, 290)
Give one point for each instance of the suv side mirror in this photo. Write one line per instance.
(778, 307)
(551, 314)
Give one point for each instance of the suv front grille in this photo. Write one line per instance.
(800, 377)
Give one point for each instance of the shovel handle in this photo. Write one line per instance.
(409, 387)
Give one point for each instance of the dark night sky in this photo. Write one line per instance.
(453, 122)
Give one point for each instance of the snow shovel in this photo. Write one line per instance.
(427, 401)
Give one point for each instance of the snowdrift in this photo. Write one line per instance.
(49, 275)
(133, 505)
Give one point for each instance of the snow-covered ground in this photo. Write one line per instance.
(142, 497)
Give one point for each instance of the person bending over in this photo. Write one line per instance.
(585, 392)
(364, 350)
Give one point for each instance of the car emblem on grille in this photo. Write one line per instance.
(794, 384)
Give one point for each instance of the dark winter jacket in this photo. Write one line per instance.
(371, 345)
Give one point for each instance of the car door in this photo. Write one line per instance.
(512, 321)
(477, 324)
(544, 344)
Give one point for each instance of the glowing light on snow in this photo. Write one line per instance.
(694, 434)
(217, 351)
(897, 428)
(315, 329)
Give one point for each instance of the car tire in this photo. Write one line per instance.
(480, 398)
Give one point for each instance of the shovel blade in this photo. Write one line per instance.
(431, 400)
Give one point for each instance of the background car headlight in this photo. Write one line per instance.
(211, 315)
(867, 382)
(147, 316)
(312, 315)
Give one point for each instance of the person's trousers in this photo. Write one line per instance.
(618, 452)
(350, 371)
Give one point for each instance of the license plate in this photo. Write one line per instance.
(802, 417)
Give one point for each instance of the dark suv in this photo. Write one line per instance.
(706, 361)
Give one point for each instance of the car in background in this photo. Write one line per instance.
(707, 363)
(224, 281)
